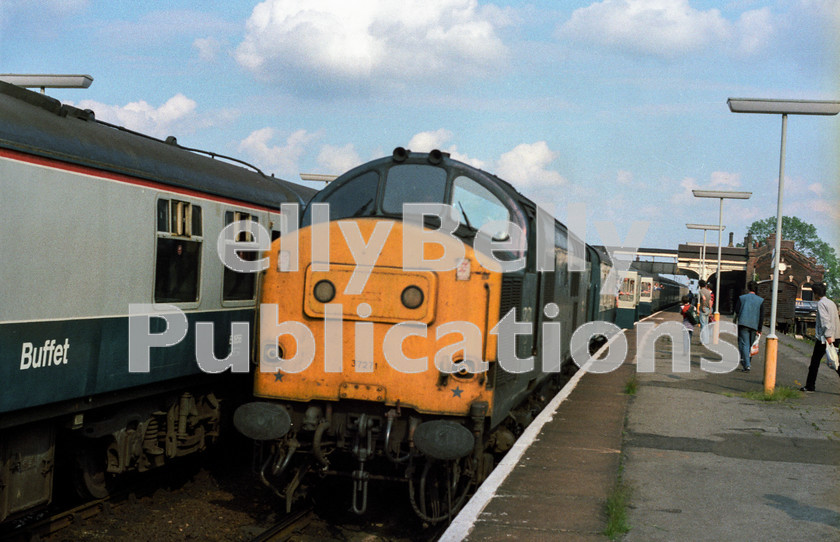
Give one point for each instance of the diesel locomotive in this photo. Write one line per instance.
(409, 328)
(95, 218)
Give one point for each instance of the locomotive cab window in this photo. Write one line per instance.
(476, 206)
(178, 251)
(413, 183)
(355, 198)
(240, 286)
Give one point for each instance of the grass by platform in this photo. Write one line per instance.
(781, 393)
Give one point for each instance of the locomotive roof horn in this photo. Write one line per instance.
(435, 157)
(400, 154)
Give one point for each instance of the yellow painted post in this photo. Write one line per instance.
(716, 328)
(770, 349)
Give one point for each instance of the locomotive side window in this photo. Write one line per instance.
(413, 183)
(179, 226)
(574, 288)
(240, 286)
(561, 255)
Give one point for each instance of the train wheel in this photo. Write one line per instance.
(91, 479)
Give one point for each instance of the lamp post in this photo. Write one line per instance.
(783, 108)
(721, 195)
(705, 228)
(320, 177)
(47, 81)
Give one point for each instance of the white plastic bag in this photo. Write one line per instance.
(754, 347)
(831, 356)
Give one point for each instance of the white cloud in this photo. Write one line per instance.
(428, 141)
(176, 115)
(369, 42)
(718, 179)
(816, 188)
(685, 195)
(526, 166)
(208, 48)
(824, 208)
(337, 160)
(664, 28)
(723, 178)
(281, 158)
(624, 177)
(753, 30)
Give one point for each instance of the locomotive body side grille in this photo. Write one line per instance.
(511, 296)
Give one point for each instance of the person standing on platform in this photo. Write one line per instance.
(828, 325)
(689, 321)
(704, 304)
(749, 315)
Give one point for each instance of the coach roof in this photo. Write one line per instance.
(42, 126)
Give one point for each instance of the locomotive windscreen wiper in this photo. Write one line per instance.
(364, 207)
(464, 213)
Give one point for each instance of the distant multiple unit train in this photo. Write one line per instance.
(411, 348)
(96, 218)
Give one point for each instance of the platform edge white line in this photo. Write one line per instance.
(464, 522)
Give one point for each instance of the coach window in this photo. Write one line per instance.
(413, 183)
(240, 286)
(628, 290)
(177, 262)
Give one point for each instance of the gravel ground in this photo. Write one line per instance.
(221, 501)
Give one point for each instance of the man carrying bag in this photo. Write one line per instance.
(828, 325)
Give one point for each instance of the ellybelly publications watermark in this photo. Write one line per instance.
(466, 354)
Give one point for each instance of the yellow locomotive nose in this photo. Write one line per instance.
(380, 333)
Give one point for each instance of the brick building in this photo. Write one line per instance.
(794, 268)
(753, 262)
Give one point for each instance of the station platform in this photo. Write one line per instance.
(701, 459)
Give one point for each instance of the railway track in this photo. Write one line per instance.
(285, 529)
(36, 528)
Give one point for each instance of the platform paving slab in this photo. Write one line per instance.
(558, 489)
(706, 463)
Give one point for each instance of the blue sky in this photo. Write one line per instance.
(619, 105)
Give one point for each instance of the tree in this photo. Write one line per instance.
(807, 241)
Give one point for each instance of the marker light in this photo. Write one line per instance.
(412, 297)
(324, 291)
